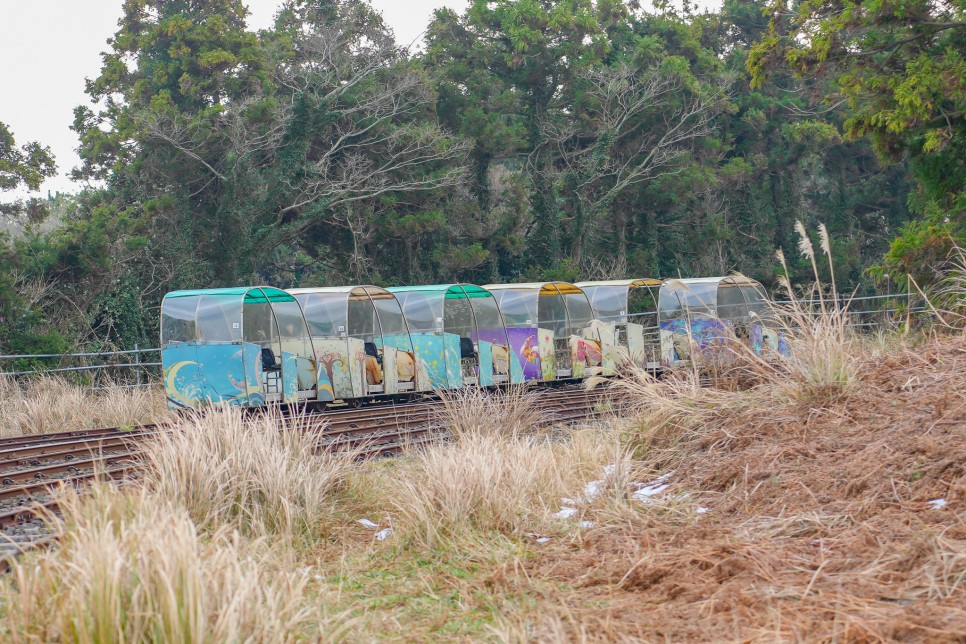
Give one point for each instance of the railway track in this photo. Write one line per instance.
(30, 466)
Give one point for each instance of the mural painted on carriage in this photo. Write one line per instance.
(519, 371)
(525, 347)
(441, 355)
(704, 333)
(221, 375)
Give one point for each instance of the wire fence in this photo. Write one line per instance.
(142, 367)
(135, 367)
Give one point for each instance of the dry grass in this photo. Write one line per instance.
(132, 567)
(818, 523)
(51, 404)
(262, 476)
(477, 412)
(819, 526)
(504, 484)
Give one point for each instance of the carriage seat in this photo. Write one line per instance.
(501, 360)
(269, 361)
(405, 366)
(467, 350)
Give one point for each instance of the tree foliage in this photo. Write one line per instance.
(565, 139)
(900, 66)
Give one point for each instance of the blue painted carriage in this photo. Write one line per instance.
(457, 330)
(699, 314)
(550, 328)
(362, 342)
(627, 311)
(243, 346)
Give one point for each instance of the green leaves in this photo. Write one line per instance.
(25, 166)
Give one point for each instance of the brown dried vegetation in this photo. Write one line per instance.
(819, 524)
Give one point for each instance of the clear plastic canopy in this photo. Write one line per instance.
(559, 306)
(369, 313)
(461, 309)
(622, 301)
(229, 315)
(731, 297)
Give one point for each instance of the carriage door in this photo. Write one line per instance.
(262, 331)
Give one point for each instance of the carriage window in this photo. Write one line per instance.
(291, 328)
(362, 318)
(178, 319)
(324, 312)
(486, 312)
(578, 311)
(421, 309)
(609, 302)
(731, 303)
(553, 314)
(641, 307)
(458, 317)
(756, 300)
(219, 319)
(259, 325)
(394, 330)
(519, 308)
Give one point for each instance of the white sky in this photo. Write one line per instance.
(48, 48)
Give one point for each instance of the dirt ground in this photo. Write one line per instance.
(841, 519)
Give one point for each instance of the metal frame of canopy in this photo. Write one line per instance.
(241, 346)
(562, 344)
(635, 331)
(361, 340)
(459, 331)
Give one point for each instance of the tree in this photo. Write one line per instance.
(901, 66)
(500, 67)
(23, 167)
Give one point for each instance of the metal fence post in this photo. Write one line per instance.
(137, 361)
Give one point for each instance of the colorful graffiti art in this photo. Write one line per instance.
(215, 374)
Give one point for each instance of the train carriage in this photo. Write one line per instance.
(362, 341)
(243, 346)
(550, 327)
(627, 311)
(459, 332)
(701, 312)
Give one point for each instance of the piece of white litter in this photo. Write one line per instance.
(368, 524)
(566, 513)
(938, 504)
(701, 509)
(383, 534)
(645, 493)
(543, 539)
(592, 491)
(587, 524)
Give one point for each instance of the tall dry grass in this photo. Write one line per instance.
(52, 404)
(498, 476)
(262, 476)
(132, 567)
(824, 353)
(476, 412)
(948, 302)
(662, 418)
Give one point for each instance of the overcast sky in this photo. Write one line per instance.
(48, 48)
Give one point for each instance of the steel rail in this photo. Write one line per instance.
(370, 432)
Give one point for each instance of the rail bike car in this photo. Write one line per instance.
(361, 341)
(551, 330)
(458, 331)
(244, 346)
(627, 311)
(699, 314)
